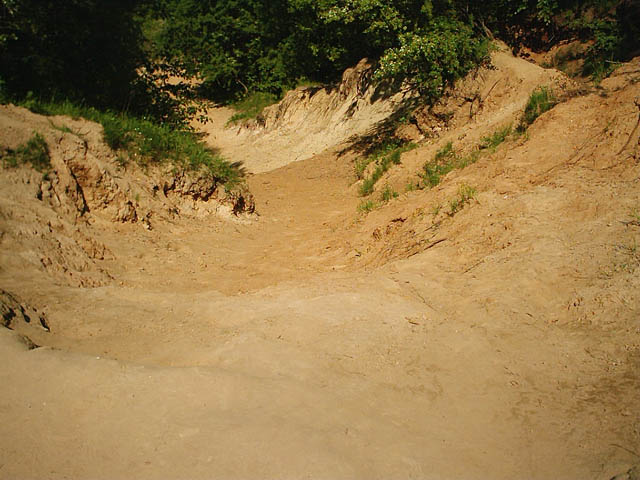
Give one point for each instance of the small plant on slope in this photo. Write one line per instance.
(465, 194)
(445, 160)
(541, 100)
(35, 151)
(366, 206)
(491, 142)
(251, 106)
(387, 156)
(388, 194)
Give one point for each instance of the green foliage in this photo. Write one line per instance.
(241, 46)
(366, 206)
(411, 186)
(384, 158)
(76, 48)
(369, 183)
(432, 59)
(388, 194)
(541, 100)
(601, 55)
(466, 193)
(35, 151)
(492, 141)
(444, 161)
(147, 142)
(252, 105)
(122, 57)
(93, 55)
(447, 159)
(612, 27)
(361, 165)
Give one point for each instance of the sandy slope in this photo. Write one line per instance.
(310, 342)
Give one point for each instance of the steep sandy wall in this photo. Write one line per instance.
(306, 122)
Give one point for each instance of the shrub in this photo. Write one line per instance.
(433, 58)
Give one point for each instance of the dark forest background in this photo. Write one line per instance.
(116, 55)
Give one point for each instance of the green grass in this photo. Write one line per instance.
(366, 206)
(466, 193)
(251, 106)
(384, 158)
(411, 186)
(492, 141)
(445, 152)
(62, 128)
(34, 151)
(304, 82)
(541, 100)
(388, 194)
(448, 159)
(361, 165)
(445, 160)
(146, 142)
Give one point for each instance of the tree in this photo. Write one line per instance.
(84, 50)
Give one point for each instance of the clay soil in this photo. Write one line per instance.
(310, 340)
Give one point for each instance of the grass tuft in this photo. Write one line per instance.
(251, 106)
(492, 141)
(34, 151)
(466, 193)
(445, 160)
(541, 100)
(388, 155)
(366, 206)
(388, 194)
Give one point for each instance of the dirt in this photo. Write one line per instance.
(310, 340)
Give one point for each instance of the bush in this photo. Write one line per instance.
(241, 46)
(76, 48)
(600, 58)
(430, 60)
